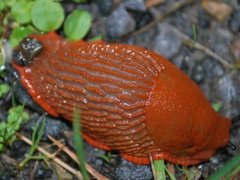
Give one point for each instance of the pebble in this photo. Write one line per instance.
(227, 90)
(130, 171)
(105, 6)
(119, 23)
(234, 21)
(218, 10)
(167, 42)
(136, 5)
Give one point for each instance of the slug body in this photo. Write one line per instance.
(131, 99)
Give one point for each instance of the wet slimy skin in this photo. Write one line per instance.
(131, 99)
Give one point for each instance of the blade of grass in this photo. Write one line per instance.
(172, 177)
(227, 169)
(194, 33)
(78, 141)
(50, 156)
(36, 137)
(159, 168)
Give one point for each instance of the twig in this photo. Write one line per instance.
(152, 166)
(172, 8)
(55, 159)
(191, 43)
(151, 3)
(89, 168)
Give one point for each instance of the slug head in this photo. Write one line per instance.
(27, 50)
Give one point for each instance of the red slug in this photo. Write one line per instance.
(131, 99)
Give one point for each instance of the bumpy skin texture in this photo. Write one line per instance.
(131, 100)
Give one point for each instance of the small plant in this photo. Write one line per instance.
(8, 129)
(24, 17)
(36, 137)
(4, 89)
(107, 157)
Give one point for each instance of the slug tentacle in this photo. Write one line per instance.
(28, 48)
(131, 99)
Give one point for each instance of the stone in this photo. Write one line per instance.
(128, 170)
(167, 42)
(234, 21)
(218, 10)
(136, 5)
(119, 23)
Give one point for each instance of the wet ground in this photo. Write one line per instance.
(127, 22)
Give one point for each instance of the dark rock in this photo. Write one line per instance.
(204, 20)
(142, 18)
(167, 42)
(3, 115)
(19, 91)
(54, 127)
(18, 149)
(130, 171)
(136, 5)
(93, 155)
(119, 23)
(43, 173)
(104, 6)
(234, 21)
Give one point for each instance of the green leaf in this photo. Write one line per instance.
(77, 24)
(21, 11)
(9, 3)
(217, 106)
(17, 114)
(4, 88)
(19, 34)
(47, 15)
(2, 5)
